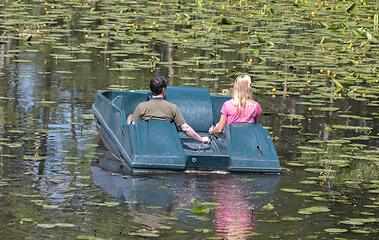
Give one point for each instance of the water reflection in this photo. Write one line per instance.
(152, 198)
(233, 217)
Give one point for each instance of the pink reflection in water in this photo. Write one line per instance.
(233, 218)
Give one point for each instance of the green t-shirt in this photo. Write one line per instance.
(158, 109)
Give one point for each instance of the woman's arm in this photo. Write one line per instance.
(216, 131)
(257, 119)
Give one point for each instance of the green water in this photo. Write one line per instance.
(326, 134)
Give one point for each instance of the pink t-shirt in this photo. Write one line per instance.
(230, 111)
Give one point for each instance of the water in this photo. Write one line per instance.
(59, 182)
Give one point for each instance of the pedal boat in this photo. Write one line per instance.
(157, 145)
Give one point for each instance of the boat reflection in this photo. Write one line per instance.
(155, 198)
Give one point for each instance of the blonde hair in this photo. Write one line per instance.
(242, 93)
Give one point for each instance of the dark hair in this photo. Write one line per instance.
(157, 84)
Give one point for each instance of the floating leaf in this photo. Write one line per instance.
(171, 218)
(81, 184)
(308, 182)
(320, 199)
(290, 126)
(26, 220)
(351, 7)
(200, 209)
(90, 237)
(360, 231)
(271, 221)
(329, 109)
(201, 218)
(352, 222)
(292, 190)
(225, 21)
(164, 227)
(50, 206)
(335, 230)
(154, 207)
(292, 219)
(370, 37)
(46, 225)
(204, 230)
(337, 85)
(272, 13)
(210, 203)
(268, 207)
(87, 116)
(295, 164)
(261, 192)
(312, 210)
(145, 234)
(46, 102)
(261, 39)
(65, 225)
(248, 179)
(111, 204)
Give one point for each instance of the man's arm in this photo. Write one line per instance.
(132, 118)
(192, 134)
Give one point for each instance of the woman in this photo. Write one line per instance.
(241, 108)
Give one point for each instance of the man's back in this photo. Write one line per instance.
(160, 109)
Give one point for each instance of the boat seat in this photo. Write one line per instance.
(195, 105)
(130, 101)
(165, 150)
(217, 102)
(126, 102)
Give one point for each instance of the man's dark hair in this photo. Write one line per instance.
(157, 84)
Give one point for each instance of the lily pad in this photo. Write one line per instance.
(335, 230)
(65, 225)
(292, 190)
(360, 231)
(315, 209)
(200, 209)
(269, 206)
(292, 219)
(46, 225)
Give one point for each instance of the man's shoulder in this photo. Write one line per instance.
(163, 103)
(141, 104)
(169, 103)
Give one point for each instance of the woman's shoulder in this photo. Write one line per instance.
(228, 102)
(252, 102)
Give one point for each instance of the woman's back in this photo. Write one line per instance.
(252, 110)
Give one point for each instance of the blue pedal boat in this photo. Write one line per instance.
(157, 145)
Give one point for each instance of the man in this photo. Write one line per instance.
(158, 108)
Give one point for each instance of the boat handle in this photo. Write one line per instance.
(260, 150)
(200, 146)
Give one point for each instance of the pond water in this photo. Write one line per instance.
(315, 72)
